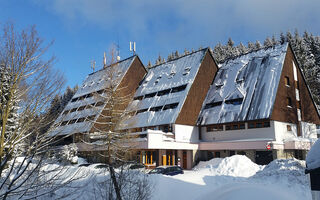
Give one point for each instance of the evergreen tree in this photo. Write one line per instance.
(251, 46)
(257, 45)
(242, 49)
(267, 42)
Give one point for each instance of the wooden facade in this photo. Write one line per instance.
(198, 91)
(284, 112)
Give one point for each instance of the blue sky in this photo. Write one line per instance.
(83, 29)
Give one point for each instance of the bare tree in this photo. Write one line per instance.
(28, 83)
(116, 144)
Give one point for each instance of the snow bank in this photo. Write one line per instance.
(237, 166)
(249, 191)
(208, 164)
(284, 171)
(313, 157)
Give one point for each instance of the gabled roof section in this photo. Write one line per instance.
(81, 112)
(161, 95)
(97, 80)
(247, 85)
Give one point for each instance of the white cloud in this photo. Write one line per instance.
(192, 22)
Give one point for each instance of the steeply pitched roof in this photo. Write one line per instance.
(94, 82)
(247, 86)
(161, 95)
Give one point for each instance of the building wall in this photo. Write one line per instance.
(185, 133)
(255, 133)
(282, 132)
(198, 91)
(281, 112)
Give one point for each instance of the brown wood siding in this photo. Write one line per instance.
(308, 110)
(281, 112)
(198, 91)
(126, 88)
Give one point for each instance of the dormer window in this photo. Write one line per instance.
(287, 81)
(234, 101)
(158, 79)
(186, 70)
(172, 74)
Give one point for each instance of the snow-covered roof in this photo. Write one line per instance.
(98, 80)
(245, 87)
(90, 98)
(160, 97)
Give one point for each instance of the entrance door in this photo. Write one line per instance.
(263, 157)
(170, 157)
(184, 159)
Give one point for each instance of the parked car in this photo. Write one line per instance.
(167, 170)
(136, 166)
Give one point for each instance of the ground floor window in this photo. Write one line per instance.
(147, 157)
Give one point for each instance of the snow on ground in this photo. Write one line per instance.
(235, 177)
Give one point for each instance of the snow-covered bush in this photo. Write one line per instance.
(67, 154)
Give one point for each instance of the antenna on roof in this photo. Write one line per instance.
(133, 47)
(118, 50)
(93, 65)
(104, 60)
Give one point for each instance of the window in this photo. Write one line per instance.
(211, 105)
(100, 91)
(287, 81)
(100, 103)
(72, 121)
(289, 102)
(259, 124)
(90, 118)
(150, 95)
(251, 125)
(158, 79)
(179, 88)
(166, 128)
(81, 108)
(138, 98)
(64, 123)
(242, 126)
(172, 74)
(74, 99)
(186, 70)
(235, 101)
(156, 109)
(213, 128)
(89, 95)
(228, 127)
(66, 112)
(266, 124)
(289, 128)
(297, 84)
(142, 110)
(80, 120)
(170, 106)
(163, 92)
